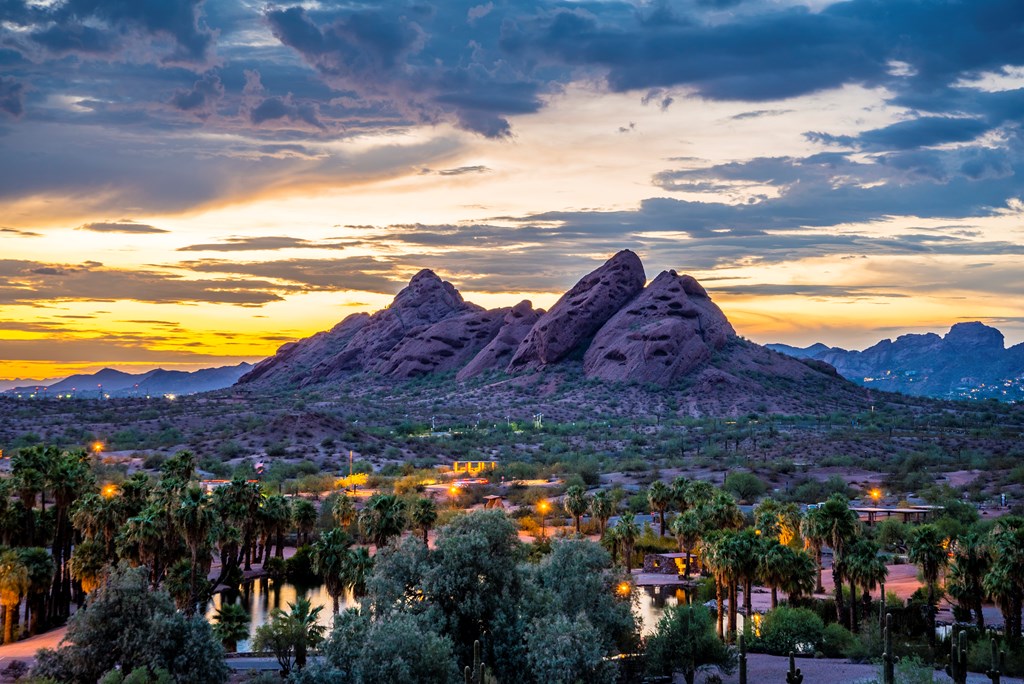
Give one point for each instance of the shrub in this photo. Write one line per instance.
(790, 629)
(837, 641)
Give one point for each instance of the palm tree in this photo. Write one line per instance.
(14, 582)
(142, 540)
(231, 625)
(601, 507)
(383, 518)
(721, 512)
(344, 510)
(679, 487)
(627, 532)
(773, 567)
(801, 574)
(713, 558)
(928, 551)
(777, 520)
(358, 566)
(659, 496)
(196, 519)
(1005, 581)
(424, 515)
(330, 557)
(688, 529)
(864, 569)
(68, 477)
(576, 503)
(699, 492)
(304, 514)
(28, 470)
(88, 564)
(971, 562)
(277, 518)
(308, 632)
(814, 531)
(841, 525)
(41, 571)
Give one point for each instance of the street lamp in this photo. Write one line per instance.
(454, 491)
(543, 507)
(97, 447)
(876, 495)
(109, 491)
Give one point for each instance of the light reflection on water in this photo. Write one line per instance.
(260, 598)
(653, 600)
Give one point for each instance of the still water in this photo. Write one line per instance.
(260, 598)
(651, 602)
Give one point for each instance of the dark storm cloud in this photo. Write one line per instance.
(106, 28)
(24, 282)
(122, 227)
(201, 98)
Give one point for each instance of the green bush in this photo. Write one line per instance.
(837, 641)
(790, 629)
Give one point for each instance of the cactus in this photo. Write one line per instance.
(475, 674)
(743, 660)
(995, 673)
(957, 668)
(888, 659)
(794, 676)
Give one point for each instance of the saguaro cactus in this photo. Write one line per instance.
(888, 658)
(794, 676)
(957, 668)
(743, 660)
(475, 674)
(995, 672)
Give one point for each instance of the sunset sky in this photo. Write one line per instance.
(188, 184)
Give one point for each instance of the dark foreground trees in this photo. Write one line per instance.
(552, 622)
(124, 625)
(685, 642)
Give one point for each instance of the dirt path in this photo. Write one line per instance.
(766, 668)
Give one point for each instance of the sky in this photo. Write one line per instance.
(190, 183)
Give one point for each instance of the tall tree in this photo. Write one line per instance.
(627, 532)
(330, 558)
(14, 582)
(423, 515)
(383, 518)
(965, 580)
(1005, 581)
(576, 504)
(601, 507)
(864, 569)
(688, 529)
(659, 495)
(197, 519)
(928, 551)
(41, 570)
(841, 526)
(68, 477)
(304, 515)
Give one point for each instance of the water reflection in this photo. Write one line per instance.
(261, 597)
(652, 601)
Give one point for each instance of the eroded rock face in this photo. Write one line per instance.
(425, 300)
(444, 346)
(665, 332)
(516, 324)
(293, 361)
(581, 312)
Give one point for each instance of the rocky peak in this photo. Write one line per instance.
(665, 332)
(426, 289)
(581, 311)
(974, 337)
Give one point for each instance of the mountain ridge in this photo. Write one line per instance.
(611, 327)
(154, 382)
(969, 361)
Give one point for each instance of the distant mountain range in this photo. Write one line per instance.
(665, 338)
(971, 361)
(157, 382)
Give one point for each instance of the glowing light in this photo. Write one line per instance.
(624, 589)
(97, 447)
(170, 397)
(109, 491)
(876, 495)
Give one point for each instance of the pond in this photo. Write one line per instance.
(260, 598)
(653, 600)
